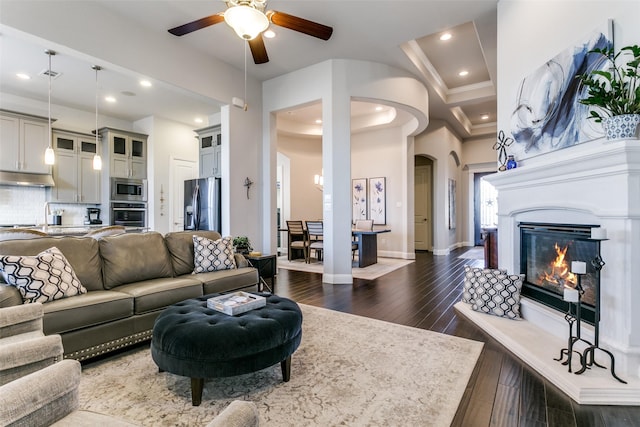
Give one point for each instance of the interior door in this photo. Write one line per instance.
(180, 171)
(422, 213)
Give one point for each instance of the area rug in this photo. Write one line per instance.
(349, 370)
(382, 267)
(473, 253)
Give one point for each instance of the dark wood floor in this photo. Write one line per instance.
(502, 390)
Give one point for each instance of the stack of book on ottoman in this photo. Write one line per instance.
(236, 302)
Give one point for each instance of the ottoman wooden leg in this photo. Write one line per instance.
(285, 365)
(197, 384)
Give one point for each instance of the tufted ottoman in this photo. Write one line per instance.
(194, 341)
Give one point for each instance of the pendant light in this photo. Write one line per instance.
(97, 160)
(49, 155)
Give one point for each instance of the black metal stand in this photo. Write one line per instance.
(587, 357)
(573, 339)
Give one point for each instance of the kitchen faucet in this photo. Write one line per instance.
(47, 211)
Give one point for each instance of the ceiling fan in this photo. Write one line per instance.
(249, 19)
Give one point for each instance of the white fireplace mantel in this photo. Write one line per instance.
(593, 183)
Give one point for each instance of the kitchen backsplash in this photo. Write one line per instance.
(25, 205)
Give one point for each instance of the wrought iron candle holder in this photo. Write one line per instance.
(587, 356)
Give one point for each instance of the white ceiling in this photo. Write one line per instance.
(395, 32)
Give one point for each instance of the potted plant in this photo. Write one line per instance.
(242, 244)
(615, 91)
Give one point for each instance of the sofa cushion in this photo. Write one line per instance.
(81, 252)
(154, 294)
(134, 257)
(212, 255)
(83, 311)
(180, 246)
(227, 280)
(47, 276)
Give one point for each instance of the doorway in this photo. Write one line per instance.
(423, 203)
(485, 206)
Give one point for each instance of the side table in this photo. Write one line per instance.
(267, 269)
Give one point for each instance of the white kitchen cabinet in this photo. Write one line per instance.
(125, 153)
(76, 180)
(210, 141)
(23, 141)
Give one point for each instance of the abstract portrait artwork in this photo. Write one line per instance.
(547, 114)
(378, 200)
(358, 199)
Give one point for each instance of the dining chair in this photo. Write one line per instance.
(315, 233)
(360, 225)
(298, 239)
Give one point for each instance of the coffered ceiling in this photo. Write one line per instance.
(405, 34)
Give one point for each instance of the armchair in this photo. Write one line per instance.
(23, 346)
(50, 396)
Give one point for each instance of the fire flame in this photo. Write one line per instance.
(560, 273)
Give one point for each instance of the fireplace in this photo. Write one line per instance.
(546, 253)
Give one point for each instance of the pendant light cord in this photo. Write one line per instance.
(96, 68)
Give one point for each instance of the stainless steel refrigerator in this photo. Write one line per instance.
(202, 204)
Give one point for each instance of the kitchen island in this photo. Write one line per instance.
(76, 230)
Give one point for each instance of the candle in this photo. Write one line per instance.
(598, 233)
(578, 267)
(571, 295)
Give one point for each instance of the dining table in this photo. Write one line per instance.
(368, 246)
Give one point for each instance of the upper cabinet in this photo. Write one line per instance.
(76, 180)
(125, 153)
(23, 141)
(210, 139)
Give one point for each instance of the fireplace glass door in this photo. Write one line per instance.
(546, 253)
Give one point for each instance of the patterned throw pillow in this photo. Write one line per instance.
(498, 294)
(45, 277)
(212, 255)
(471, 275)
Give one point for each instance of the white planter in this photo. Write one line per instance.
(621, 127)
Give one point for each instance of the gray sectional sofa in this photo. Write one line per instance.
(130, 279)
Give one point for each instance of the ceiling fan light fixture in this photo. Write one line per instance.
(246, 21)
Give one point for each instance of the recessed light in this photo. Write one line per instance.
(463, 73)
(23, 76)
(445, 36)
(198, 120)
(145, 83)
(318, 121)
(269, 34)
(109, 99)
(378, 108)
(484, 117)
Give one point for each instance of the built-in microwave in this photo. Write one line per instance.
(134, 190)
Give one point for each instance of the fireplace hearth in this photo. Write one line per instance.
(546, 253)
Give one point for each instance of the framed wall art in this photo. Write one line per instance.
(452, 204)
(378, 200)
(358, 199)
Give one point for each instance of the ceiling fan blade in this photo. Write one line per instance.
(301, 25)
(258, 50)
(197, 25)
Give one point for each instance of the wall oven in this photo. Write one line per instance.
(125, 189)
(129, 214)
